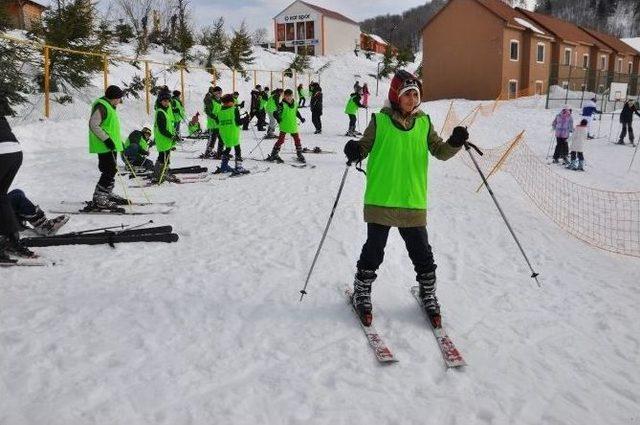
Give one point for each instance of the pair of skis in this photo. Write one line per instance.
(147, 234)
(450, 354)
(135, 208)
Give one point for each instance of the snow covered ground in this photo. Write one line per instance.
(210, 331)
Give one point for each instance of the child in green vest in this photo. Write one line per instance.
(179, 113)
(105, 140)
(194, 127)
(229, 126)
(164, 134)
(136, 149)
(352, 110)
(287, 115)
(271, 108)
(212, 106)
(398, 142)
(262, 113)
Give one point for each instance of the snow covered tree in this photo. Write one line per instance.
(183, 39)
(71, 24)
(240, 50)
(300, 63)
(137, 12)
(13, 83)
(215, 40)
(124, 32)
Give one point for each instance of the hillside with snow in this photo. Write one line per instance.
(209, 330)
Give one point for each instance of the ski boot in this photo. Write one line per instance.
(224, 166)
(171, 178)
(44, 226)
(101, 200)
(621, 142)
(573, 165)
(12, 245)
(427, 294)
(362, 295)
(299, 156)
(580, 166)
(317, 132)
(4, 257)
(119, 200)
(270, 134)
(206, 155)
(274, 156)
(239, 169)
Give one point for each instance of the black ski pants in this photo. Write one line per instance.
(108, 169)
(316, 120)
(9, 165)
(562, 148)
(21, 205)
(352, 122)
(416, 240)
(626, 126)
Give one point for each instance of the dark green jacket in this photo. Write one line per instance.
(401, 217)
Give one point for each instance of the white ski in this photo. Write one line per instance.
(450, 353)
(380, 348)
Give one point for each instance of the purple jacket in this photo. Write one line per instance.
(563, 124)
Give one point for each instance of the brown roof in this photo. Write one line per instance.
(615, 43)
(330, 13)
(503, 11)
(566, 31)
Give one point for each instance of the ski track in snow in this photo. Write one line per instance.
(210, 330)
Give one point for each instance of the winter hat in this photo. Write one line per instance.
(288, 92)
(113, 92)
(402, 82)
(227, 98)
(584, 123)
(146, 128)
(177, 93)
(217, 89)
(164, 96)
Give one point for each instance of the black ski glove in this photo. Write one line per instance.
(109, 144)
(352, 151)
(459, 136)
(241, 104)
(302, 120)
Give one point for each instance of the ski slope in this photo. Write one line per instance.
(210, 331)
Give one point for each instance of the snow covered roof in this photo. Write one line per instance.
(377, 39)
(330, 13)
(633, 42)
(529, 25)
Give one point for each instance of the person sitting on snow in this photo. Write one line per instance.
(136, 149)
(27, 212)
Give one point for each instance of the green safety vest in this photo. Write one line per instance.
(302, 93)
(163, 143)
(110, 125)
(289, 119)
(397, 165)
(352, 106)
(142, 143)
(229, 131)
(178, 109)
(215, 109)
(262, 103)
(192, 128)
(271, 105)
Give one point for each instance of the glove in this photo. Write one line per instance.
(175, 138)
(302, 120)
(459, 136)
(241, 104)
(352, 151)
(109, 144)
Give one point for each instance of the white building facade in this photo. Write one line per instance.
(305, 28)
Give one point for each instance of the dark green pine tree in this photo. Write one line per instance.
(123, 32)
(13, 84)
(544, 6)
(216, 42)
(71, 24)
(240, 52)
(183, 40)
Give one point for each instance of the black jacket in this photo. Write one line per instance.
(255, 100)
(316, 102)
(626, 116)
(6, 135)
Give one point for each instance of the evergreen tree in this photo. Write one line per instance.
(123, 32)
(300, 63)
(215, 40)
(240, 50)
(71, 24)
(387, 63)
(4, 16)
(183, 39)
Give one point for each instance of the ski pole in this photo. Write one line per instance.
(610, 128)
(633, 157)
(599, 125)
(135, 227)
(550, 144)
(468, 146)
(99, 229)
(135, 176)
(303, 291)
(255, 136)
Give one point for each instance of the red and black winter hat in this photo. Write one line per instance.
(402, 82)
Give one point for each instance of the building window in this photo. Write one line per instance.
(513, 89)
(619, 66)
(567, 56)
(514, 50)
(585, 61)
(300, 34)
(310, 30)
(540, 53)
(539, 87)
(630, 68)
(603, 62)
(281, 32)
(291, 32)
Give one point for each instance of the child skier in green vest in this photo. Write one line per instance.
(351, 109)
(136, 149)
(105, 140)
(179, 113)
(271, 108)
(212, 106)
(229, 126)
(164, 134)
(398, 142)
(287, 115)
